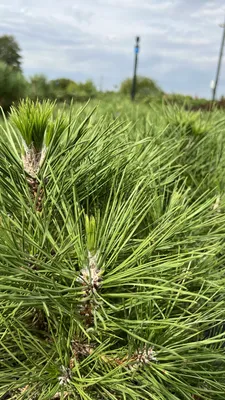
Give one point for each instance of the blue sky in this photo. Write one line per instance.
(94, 39)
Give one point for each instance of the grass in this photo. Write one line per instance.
(112, 253)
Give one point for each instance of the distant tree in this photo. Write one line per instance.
(10, 52)
(61, 83)
(13, 86)
(72, 89)
(39, 87)
(66, 89)
(89, 88)
(59, 88)
(145, 87)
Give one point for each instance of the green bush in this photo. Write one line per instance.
(145, 87)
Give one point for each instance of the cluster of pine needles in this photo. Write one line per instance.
(112, 254)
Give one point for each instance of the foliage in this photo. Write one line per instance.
(201, 146)
(10, 52)
(64, 90)
(144, 87)
(13, 86)
(32, 119)
(113, 287)
(61, 83)
(192, 123)
(39, 87)
(80, 91)
(89, 88)
(192, 103)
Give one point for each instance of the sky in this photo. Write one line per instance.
(94, 39)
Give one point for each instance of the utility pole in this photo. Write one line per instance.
(136, 50)
(214, 88)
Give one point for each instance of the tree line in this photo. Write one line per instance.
(14, 85)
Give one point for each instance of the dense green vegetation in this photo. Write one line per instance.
(112, 253)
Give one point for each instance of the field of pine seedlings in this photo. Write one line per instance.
(112, 253)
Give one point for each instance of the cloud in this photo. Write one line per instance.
(180, 39)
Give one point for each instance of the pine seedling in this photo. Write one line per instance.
(91, 275)
(32, 120)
